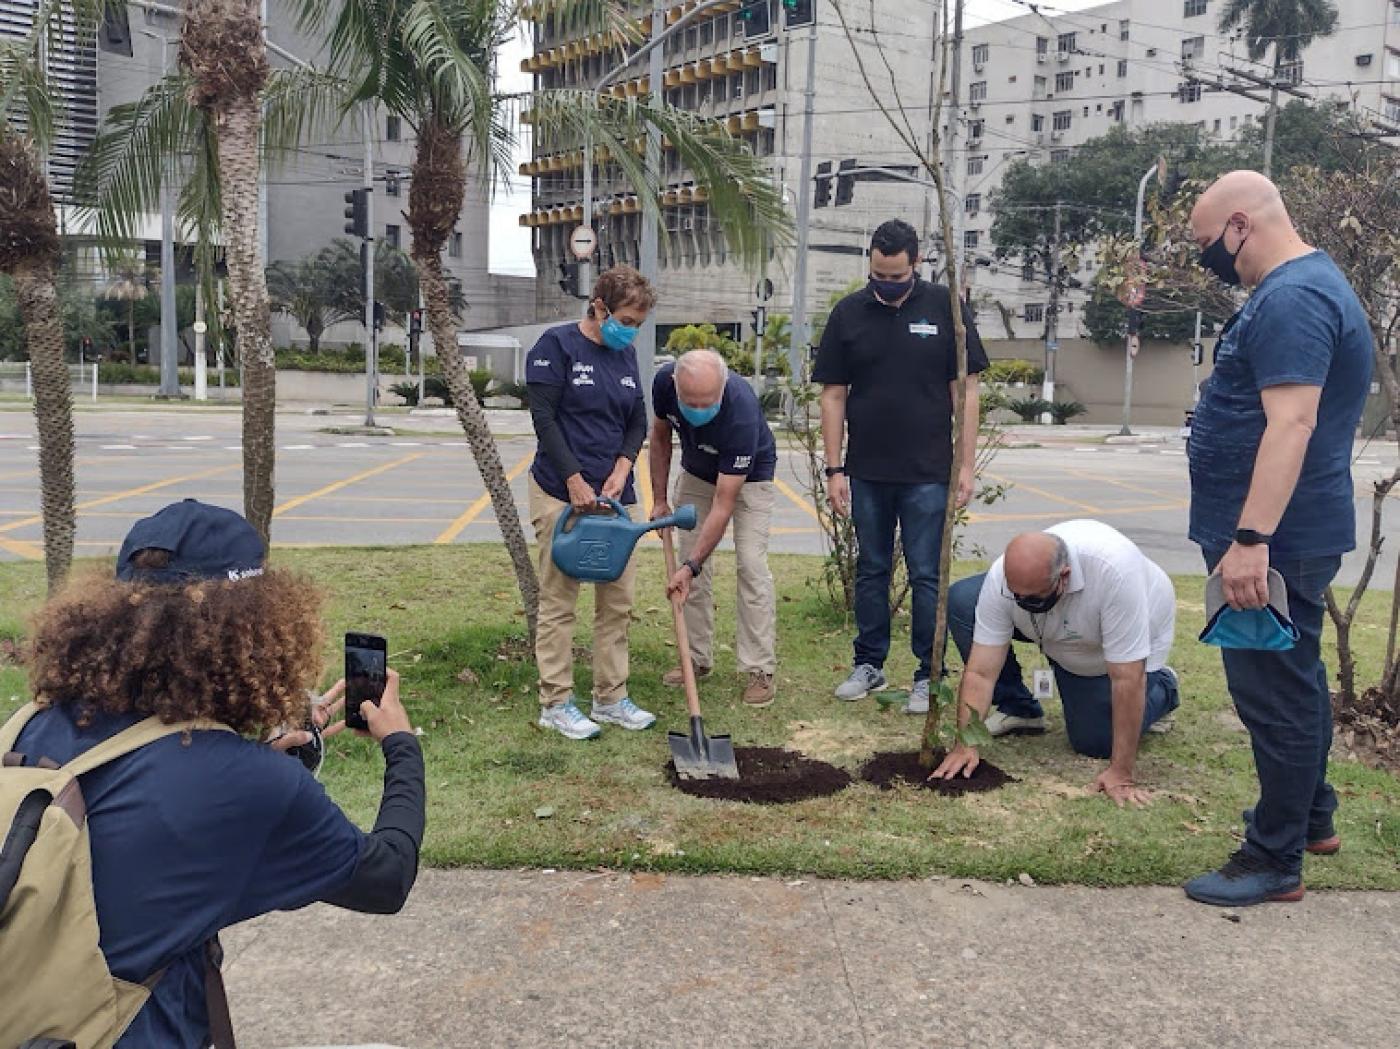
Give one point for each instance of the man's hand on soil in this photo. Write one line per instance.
(961, 760)
(1120, 787)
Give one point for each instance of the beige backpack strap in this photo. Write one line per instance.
(9, 732)
(134, 738)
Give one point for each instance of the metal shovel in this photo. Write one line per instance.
(696, 756)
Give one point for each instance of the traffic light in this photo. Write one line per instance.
(753, 16)
(415, 322)
(845, 184)
(824, 178)
(86, 346)
(378, 316)
(568, 279)
(760, 319)
(357, 213)
(799, 12)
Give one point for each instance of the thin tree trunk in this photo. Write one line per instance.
(53, 413)
(131, 329)
(223, 48)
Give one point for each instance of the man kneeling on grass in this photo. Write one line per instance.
(1101, 613)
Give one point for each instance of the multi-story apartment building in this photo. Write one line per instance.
(749, 75)
(304, 192)
(1040, 85)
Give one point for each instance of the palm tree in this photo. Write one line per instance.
(313, 292)
(30, 251)
(128, 285)
(1290, 25)
(430, 62)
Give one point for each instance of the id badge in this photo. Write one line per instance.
(1043, 686)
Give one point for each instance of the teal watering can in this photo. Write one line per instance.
(595, 548)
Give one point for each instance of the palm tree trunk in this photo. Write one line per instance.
(222, 46)
(131, 329)
(53, 414)
(435, 202)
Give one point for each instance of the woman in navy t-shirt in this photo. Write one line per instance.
(590, 418)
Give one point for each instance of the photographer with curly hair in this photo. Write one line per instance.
(203, 829)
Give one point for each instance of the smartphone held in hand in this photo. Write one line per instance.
(366, 670)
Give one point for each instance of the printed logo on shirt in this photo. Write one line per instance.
(923, 329)
(629, 382)
(708, 450)
(743, 462)
(583, 374)
(540, 362)
(675, 423)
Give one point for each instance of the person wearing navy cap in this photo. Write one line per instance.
(201, 830)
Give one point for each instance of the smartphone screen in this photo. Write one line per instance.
(366, 666)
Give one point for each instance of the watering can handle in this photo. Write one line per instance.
(561, 525)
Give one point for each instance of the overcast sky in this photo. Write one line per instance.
(510, 244)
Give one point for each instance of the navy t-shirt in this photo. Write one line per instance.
(736, 441)
(188, 839)
(1305, 325)
(602, 390)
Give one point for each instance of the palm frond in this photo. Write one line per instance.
(451, 59)
(298, 104)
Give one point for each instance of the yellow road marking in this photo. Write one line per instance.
(335, 486)
(129, 493)
(1117, 484)
(28, 551)
(796, 500)
(1046, 495)
(1117, 511)
(472, 512)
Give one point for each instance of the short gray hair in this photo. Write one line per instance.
(1060, 560)
(690, 362)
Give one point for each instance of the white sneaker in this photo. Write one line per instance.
(864, 680)
(566, 719)
(917, 703)
(999, 724)
(624, 712)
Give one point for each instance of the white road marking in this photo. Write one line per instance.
(199, 438)
(1172, 451)
(119, 447)
(297, 447)
(406, 444)
(352, 444)
(1087, 449)
(233, 448)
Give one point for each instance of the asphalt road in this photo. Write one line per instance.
(422, 487)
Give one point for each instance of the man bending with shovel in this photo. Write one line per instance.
(728, 458)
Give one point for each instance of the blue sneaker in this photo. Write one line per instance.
(625, 713)
(1243, 882)
(566, 719)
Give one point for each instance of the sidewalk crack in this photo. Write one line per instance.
(845, 970)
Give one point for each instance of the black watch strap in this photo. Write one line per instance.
(832, 471)
(1250, 537)
(694, 568)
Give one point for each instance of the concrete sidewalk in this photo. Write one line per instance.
(500, 958)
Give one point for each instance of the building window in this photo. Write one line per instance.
(722, 30)
(393, 129)
(1116, 111)
(970, 238)
(973, 204)
(1062, 119)
(1027, 271)
(691, 38)
(1123, 26)
(1038, 88)
(707, 34)
(980, 52)
(974, 130)
(1122, 67)
(770, 77)
(392, 185)
(1392, 64)
(1064, 82)
(1059, 156)
(975, 165)
(1189, 91)
(977, 91)
(1194, 8)
(1066, 42)
(1392, 109)
(736, 86)
(1234, 123)
(1086, 111)
(391, 235)
(1011, 118)
(1042, 45)
(1037, 121)
(1033, 312)
(753, 81)
(1292, 72)
(454, 246)
(1193, 47)
(1216, 129)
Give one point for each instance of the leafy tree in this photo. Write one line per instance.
(1309, 134)
(708, 337)
(316, 292)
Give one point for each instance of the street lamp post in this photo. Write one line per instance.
(1130, 350)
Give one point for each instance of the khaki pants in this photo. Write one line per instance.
(554, 636)
(756, 648)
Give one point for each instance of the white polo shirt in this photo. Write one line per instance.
(1118, 607)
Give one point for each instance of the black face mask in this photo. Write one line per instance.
(1218, 259)
(891, 291)
(1039, 604)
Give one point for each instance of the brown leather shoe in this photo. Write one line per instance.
(760, 690)
(673, 678)
(1325, 846)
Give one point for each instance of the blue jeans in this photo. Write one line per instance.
(1088, 701)
(876, 507)
(1284, 701)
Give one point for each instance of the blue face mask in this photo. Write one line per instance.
(616, 335)
(699, 416)
(1266, 629)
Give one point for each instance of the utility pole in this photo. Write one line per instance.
(1271, 118)
(797, 351)
(1130, 351)
(955, 170)
(367, 249)
(169, 360)
(1052, 323)
(646, 338)
(201, 362)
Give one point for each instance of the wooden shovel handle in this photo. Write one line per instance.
(692, 694)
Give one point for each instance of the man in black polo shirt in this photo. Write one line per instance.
(728, 457)
(888, 368)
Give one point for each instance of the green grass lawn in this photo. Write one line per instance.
(453, 625)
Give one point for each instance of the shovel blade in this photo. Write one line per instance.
(697, 756)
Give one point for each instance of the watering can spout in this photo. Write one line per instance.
(595, 548)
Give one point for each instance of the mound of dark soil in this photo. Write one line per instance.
(1369, 729)
(767, 776)
(890, 767)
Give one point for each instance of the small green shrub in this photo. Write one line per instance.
(1063, 411)
(406, 390)
(1013, 371)
(1030, 409)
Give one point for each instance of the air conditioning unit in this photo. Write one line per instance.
(1038, 137)
(1041, 57)
(1062, 56)
(974, 140)
(975, 104)
(1057, 135)
(979, 66)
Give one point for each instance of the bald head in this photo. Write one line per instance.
(700, 377)
(1246, 209)
(1034, 563)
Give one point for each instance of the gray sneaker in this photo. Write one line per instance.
(917, 703)
(625, 713)
(864, 680)
(566, 719)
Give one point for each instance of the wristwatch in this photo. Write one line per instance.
(832, 471)
(694, 568)
(1249, 537)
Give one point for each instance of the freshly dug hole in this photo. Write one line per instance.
(767, 776)
(889, 767)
